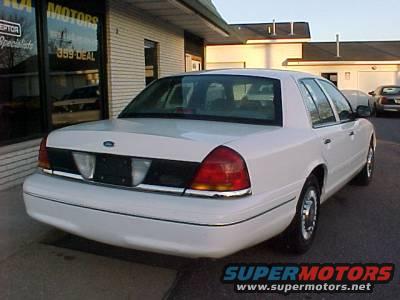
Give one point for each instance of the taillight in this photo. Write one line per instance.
(223, 170)
(44, 162)
(384, 100)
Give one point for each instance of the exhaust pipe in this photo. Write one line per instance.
(337, 46)
(273, 27)
(291, 28)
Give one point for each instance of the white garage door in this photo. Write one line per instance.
(226, 65)
(369, 81)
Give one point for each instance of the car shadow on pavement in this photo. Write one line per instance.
(77, 243)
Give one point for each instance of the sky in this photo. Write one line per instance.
(354, 20)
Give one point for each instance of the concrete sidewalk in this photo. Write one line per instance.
(30, 269)
(17, 229)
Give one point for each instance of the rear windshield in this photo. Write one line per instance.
(227, 98)
(393, 90)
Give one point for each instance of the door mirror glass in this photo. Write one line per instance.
(363, 111)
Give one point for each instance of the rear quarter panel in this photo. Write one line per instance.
(366, 135)
(280, 161)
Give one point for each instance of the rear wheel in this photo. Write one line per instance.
(300, 234)
(378, 113)
(365, 176)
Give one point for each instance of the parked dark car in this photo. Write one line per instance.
(386, 99)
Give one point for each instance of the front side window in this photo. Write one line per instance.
(339, 101)
(325, 111)
(211, 97)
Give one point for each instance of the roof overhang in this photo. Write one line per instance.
(278, 41)
(340, 62)
(190, 15)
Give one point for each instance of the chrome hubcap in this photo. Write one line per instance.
(370, 162)
(309, 213)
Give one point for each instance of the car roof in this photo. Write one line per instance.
(270, 73)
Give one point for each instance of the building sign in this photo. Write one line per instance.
(73, 16)
(57, 12)
(10, 33)
(66, 53)
(16, 44)
(10, 28)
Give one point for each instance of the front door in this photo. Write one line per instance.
(352, 139)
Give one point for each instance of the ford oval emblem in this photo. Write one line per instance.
(108, 144)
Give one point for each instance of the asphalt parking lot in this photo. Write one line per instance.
(357, 225)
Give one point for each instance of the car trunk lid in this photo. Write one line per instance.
(171, 139)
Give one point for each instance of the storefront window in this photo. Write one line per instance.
(151, 60)
(73, 43)
(20, 108)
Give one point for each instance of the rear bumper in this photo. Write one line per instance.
(388, 108)
(154, 234)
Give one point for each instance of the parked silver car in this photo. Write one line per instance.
(386, 99)
(357, 98)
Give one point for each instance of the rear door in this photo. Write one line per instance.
(327, 127)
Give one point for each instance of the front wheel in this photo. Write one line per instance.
(365, 176)
(300, 234)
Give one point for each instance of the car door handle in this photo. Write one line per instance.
(351, 133)
(327, 141)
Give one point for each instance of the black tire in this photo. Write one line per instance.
(296, 238)
(378, 114)
(365, 176)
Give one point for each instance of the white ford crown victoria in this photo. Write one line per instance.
(205, 164)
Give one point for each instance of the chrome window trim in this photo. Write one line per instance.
(156, 188)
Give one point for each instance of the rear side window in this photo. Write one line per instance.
(342, 106)
(310, 105)
(325, 112)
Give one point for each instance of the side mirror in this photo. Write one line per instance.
(372, 93)
(363, 111)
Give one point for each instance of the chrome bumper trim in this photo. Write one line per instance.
(69, 175)
(139, 188)
(157, 188)
(216, 194)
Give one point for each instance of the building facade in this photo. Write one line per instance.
(66, 62)
(350, 65)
